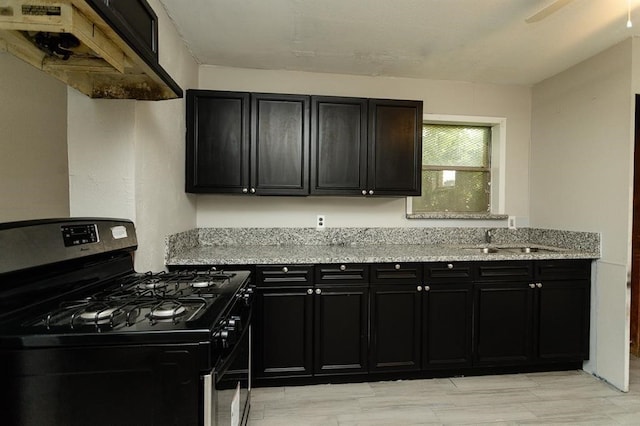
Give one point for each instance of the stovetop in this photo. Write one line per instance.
(142, 301)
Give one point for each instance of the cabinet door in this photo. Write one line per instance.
(217, 141)
(503, 323)
(338, 145)
(283, 332)
(447, 325)
(395, 147)
(280, 144)
(395, 328)
(341, 329)
(563, 320)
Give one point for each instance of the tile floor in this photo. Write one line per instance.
(558, 398)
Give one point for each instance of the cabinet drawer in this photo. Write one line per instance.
(448, 271)
(562, 269)
(410, 273)
(342, 273)
(505, 271)
(287, 275)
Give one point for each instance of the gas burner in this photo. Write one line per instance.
(167, 309)
(202, 284)
(152, 284)
(97, 314)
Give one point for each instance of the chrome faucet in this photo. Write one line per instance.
(488, 236)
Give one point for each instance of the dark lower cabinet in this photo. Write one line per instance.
(563, 320)
(283, 332)
(304, 330)
(503, 323)
(447, 325)
(341, 329)
(537, 318)
(395, 328)
(336, 321)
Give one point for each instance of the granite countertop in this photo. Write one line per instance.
(372, 253)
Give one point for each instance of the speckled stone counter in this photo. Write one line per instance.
(263, 246)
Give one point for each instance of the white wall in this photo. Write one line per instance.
(33, 143)
(126, 158)
(581, 175)
(439, 97)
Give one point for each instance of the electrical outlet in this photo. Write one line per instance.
(511, 222)
(320, 221)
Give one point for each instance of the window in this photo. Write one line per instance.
(458, 173)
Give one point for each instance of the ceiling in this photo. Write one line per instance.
(469, 40)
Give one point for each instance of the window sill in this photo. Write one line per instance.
(457, 215)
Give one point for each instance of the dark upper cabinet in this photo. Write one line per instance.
(273, 144)
(395, 147)
(365, 147)
(279, 144)
(247, 144)
(338, 145)
(217, 141)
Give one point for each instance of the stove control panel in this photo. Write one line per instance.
(75, 235)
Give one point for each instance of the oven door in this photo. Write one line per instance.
(227, 389)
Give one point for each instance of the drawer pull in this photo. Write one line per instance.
(539, 285)
(285, 269)
(449, 265)
(318, 291)
(419, 288)
(343, 267)
(532, 285)
(427, 288)
(397, 266)
(309, 291)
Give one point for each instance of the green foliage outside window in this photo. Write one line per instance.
(456, 168)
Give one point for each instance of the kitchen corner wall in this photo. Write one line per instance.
(126, 158)
(581, 179)
(439, 97)
(33, 143)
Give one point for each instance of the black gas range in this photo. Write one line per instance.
(85, 339)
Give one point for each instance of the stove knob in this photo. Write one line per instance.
(235, 322)
(221, 339)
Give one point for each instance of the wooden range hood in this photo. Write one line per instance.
(101, 56)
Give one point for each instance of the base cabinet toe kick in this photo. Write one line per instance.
(331, 323)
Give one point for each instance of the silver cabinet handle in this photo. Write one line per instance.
(285, 269)
(245, 190)
(343, 267)
(427, 288)
(309, 291)
(450, 266)
(419, 288)
(253, 190)
(364, 192)
(371, 192)
(539, 285)
(397, 266)
(532, 285)
(318, 291)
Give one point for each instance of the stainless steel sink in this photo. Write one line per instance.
(510, 249)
